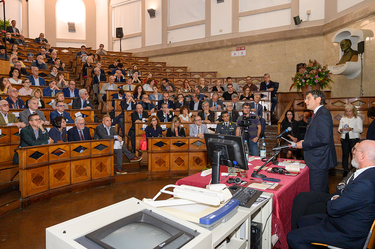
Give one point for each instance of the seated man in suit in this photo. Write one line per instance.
(34, 133)
(226, 127)
(39, 63)
(83, 102)
(137, 116)
(106, 131)
(52, 90)
(60, 111)
(35, 79)
(236, 105)
(198, 129)
(350, 214)
(7, 118)
(129, 85)
(127, 104)
(180, 102)
(12, 29)
(165, 114)
(98, 76)
(215, 103)
(13, 100)
(233, 114)
(229, 81)
(167, 101)
(71, 91)
(195, 103)
(119, 77)
(257, 108)
(79, 132)
(120, 67)
(41, 39)
(108, 86)
(166, 86)
(206, 114)
(147, 104)
(33, 108)
(119, 95)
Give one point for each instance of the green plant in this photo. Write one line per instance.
(7, 23)
(311, 75)
(208, 166)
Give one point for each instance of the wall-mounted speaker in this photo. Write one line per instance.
(119, 33)
(220, 1)
(297, 20)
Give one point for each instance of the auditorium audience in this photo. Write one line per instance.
(59, 97)
(153, 129)
(270, 86)
(138, 116)
(38, 94)
(218, 87)
(202, 85)
(32, 108)
(249, 83)
(195, 103)
(180, 102)
(175, 130)
(206, 114)
(147, 104)
(199, 94)
(228, 94)
(13, 100)
(233, 114)
(165, 114)
(186, 86)
(51, 90)
(166, 86)
(156, 95)
(58, 131)
(7, 118)
(128, 103)
(41, 39)
(350, 128)
(79, 132)
(21, 67)
(13, 30)
(106, 131)
(43, 53)
(292, 135)
(167, 101)
(215, 103)
(198, 129)
(39, 63)
(14, 49)
(25, 90)
(101, 50)
(108, 86)
(60, 111)
(71, 91)
(229, 81)
(34, 133)
(30, 58)
(82, 52)
(236, 105)
(35, 79)
(138, 92)
(371, 129)
(114, 65)
(82, 102)
(21, 41)
(96, 58)
(4, 85)
(246, 94)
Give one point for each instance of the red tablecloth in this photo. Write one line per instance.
(282, 197)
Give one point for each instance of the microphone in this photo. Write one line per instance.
(283, 132)
(289, 146)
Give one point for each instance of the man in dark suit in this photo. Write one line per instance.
(257, 108)
(226, 127)
(96, 78)
(166, 100)
(34, 133)
(137, 117)
(35, 79)
(106, 131)
(165, 115)
(71, 91)
(147, 104)
(180, 102)
(127, 104)
(215, 103)
(195, 103)
(12, 29)
(60, 111)
(206, 114)
(318, 145)
(13, 100)
(52, 90)
(79, 132)
(83, 102)
(119, 77)
(350, 214)
(270, 86)
(233, 114)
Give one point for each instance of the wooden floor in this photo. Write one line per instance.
(25, 228)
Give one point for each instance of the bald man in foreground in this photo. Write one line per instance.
(350, 214)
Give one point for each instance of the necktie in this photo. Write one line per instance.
(234, 106)
(53, 93)
(199, 130)
(165, 118)
(81, 135)
(140, 116)
(226, 124)
(130, 88)
(256, 107)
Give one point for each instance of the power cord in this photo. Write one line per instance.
(256, 242)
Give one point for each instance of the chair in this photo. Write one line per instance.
(369, 244)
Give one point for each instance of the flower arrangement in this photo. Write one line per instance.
(311, 75)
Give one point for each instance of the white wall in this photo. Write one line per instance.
(185, 34)
(153, 25)
(316, 7)
(102, 23)
(345, 4)
(13, 11)
(37, 18)
(221, 17)
(69, 44)
(265, 20)
(128, 44)
(70, 11)
(185, 11)
(246, 5)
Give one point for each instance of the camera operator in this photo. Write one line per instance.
(249, 128)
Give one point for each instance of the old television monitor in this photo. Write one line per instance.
(227, 150)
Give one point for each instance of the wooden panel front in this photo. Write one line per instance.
(15, 136)
(59, 175)
(101, 147)
(197, 144)
(102, 167)
(159, 162)
(198, 160)
(158, 144)
(80, 149)
(38, 154)
(179, 144)
(80, 170)
(5, 135)
(179, 161)
(36, 181)
(59, 152)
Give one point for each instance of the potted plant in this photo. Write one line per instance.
(312, 76)
(7, 23)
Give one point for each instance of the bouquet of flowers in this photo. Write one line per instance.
(311, 75)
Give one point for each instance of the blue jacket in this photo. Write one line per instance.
(20, 103)
(42, 82)
(66, 92)
(66, 115)
(47, 92)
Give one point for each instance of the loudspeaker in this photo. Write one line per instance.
(119, 33)
(361, 47)
(220, 1)
(297, 20)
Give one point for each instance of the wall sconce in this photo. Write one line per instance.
(151, 12)
(297, 20)
(220, 1)
(72, 26)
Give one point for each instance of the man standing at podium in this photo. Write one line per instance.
(318, 146)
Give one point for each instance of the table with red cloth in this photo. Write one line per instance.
(283, 197)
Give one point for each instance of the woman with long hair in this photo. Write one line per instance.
(153, 129)
(4, 85)
(58, 130)
(186, 86)
(138, 92)
(176, 130)
(38, 94)
(293, 135)
(185, 114)
(246, 94)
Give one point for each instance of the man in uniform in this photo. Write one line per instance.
(226, 127)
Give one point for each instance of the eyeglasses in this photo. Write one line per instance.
(81, 123)
(60, 105)
(198, 120)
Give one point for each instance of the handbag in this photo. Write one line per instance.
(143, 142)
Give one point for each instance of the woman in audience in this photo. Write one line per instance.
(88, 64)
(14, 49)
(135, 69)
(53, 73)
(293, 135)
(25, 90)
(178, 91)
(149, 84)
(135, 78)
(60, 66)
(186, 86)
(150, 76)
(185, 114)
(59, 97)
(138, 92)
(350, 128)
(153, 129)
(155, 95)
(4, 85)
(61, 82)
(218, 87)
(38, 94)
(176, 130)
(97, 58)
(15, 74)
(246, 95)
(202, 85)
(58, 131)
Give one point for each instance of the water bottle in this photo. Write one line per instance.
(246, 150)
(263, 149)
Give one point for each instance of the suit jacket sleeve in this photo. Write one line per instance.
(86, 133)
(69, 118)
(76, 103)
(104, 88)
(323, 129)
(102, 132)
(28, 137)
(24, 117)
(192, 131)
(41, 115)
(71, 135)
(52, 116)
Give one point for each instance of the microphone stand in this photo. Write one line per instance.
(5, 33)
(256, 174)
